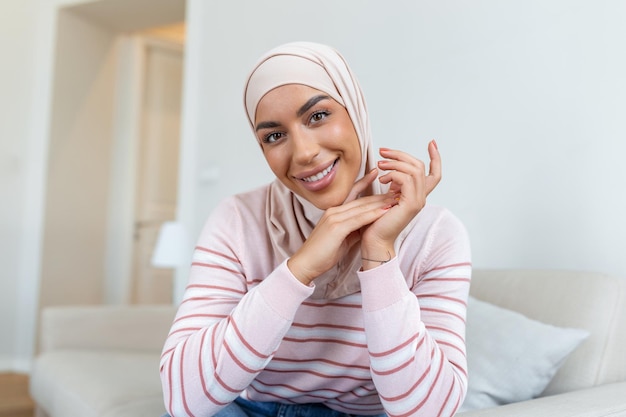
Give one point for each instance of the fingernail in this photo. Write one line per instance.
(435, 143)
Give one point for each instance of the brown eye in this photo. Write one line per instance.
(318, 116)
(272, 137)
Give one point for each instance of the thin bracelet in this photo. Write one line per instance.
(377, 260)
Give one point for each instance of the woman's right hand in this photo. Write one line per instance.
(338, 230)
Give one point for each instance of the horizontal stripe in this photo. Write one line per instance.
(312, 373)
(321, 360)
(456, 266)
(320, 368)
(337, 335)
(443, 298)
(386, 364)
(419, 395)
(215, 266)
(219, 254)
(241, 351)
(443, 312)
(445, 307)
(327, 326)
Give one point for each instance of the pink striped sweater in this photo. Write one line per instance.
(248, 327)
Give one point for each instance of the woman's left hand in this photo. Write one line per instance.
(408, 182)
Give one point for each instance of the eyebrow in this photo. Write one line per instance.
(266, 125)
(310, 103)
(305, 107)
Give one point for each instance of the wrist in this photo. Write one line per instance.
(297, 271)
(372, 259)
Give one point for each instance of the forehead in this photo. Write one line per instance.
(286, 99)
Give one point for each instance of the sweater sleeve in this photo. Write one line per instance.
(416, 332)
(216, 346)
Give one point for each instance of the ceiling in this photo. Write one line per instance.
(131, 15)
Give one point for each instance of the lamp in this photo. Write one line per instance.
(168, 251)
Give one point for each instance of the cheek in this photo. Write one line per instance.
(339, 131)
(276, 161)
(340, 135)
(353, 147)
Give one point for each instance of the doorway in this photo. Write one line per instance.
(103, 105)
(156, 169)
(144, 177)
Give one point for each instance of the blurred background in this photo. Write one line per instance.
(123, 126)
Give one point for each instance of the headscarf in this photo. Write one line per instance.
(291, 218)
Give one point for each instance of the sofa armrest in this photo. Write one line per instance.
(142, 328)
(600, 401)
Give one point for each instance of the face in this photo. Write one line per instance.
(309, 142)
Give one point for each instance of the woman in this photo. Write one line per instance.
(321, 293)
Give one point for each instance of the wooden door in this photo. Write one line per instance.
(157, 166)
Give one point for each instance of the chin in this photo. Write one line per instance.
(322, 199)
(326, 203)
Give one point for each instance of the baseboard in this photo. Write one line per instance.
(16, 365)
(23, 366)
(6, 363)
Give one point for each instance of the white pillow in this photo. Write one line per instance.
(510, 357)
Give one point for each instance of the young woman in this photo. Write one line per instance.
(335, 290)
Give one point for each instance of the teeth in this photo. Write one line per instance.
(319, 175)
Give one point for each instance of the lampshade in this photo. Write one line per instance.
(168, 251)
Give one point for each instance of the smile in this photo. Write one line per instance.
(321, 174)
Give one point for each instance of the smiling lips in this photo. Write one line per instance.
(321, 179)
(320, 175)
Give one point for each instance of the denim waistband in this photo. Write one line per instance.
(244, 408)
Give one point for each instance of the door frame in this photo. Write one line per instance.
(32, 222)
(132, 58)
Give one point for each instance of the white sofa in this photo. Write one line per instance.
(103, 361)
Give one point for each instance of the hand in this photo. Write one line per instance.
(409, 186)
(338, 230)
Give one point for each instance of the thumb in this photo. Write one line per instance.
(360, 186)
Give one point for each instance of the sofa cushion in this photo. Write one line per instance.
(575, 299)
(97, 383)
(142, 407)
(602, 401)
(511, 358)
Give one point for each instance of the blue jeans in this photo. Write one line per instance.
(245, 408)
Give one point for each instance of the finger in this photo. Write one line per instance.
(356, 207)
(341, 220)
(360, 186)
(395, 154)
(413, 168)
(414, 172)
(361, 203)
(408, 186)
(434, 170)
(397, 158)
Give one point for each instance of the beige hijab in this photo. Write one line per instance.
(292, 218)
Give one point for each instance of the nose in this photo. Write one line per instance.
(304, 147)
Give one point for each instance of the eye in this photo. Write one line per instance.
(272, 137)
(318, 116)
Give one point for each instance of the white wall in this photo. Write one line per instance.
(40, 135)
(28, 35)
(526, 100)
(79, 162)
(16, 22)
